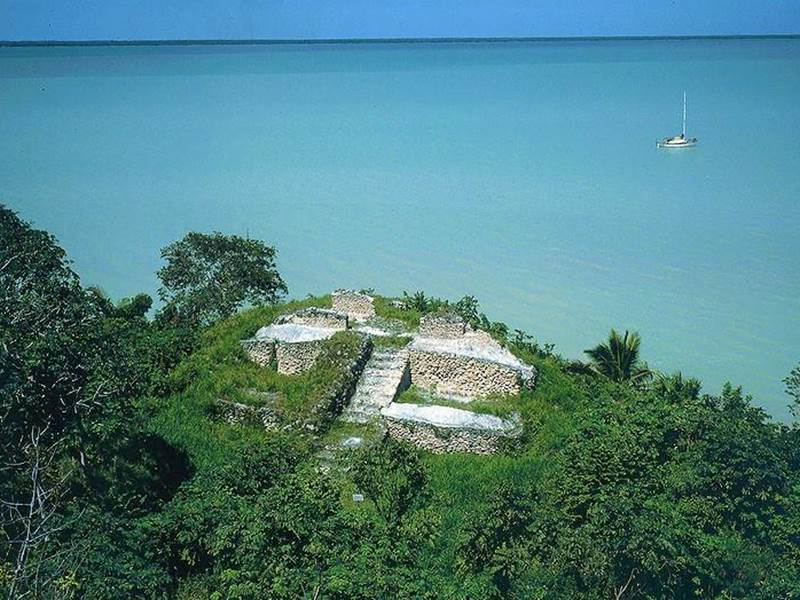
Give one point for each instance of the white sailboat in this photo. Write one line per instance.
(678, 141)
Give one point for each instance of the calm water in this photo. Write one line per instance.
(524, 173)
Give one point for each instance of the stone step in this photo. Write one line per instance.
(368, 387)
(384, 361)
(382, 378)
(378, 392)
(359, 416)
(383, 366)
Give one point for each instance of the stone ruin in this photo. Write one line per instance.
(294, 341)
(443, 429)
(442, 325)
(323, 318)
(355, 305)
(451, 359)
(446, 357)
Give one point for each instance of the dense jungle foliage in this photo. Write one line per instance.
(117, 480)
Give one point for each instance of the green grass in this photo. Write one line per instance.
(408, 316)
(391, 341)
(500, 406)
(298, 394)
(460, 486)
(220, 370)
(340, 430)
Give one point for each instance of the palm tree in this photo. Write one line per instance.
(618, 358)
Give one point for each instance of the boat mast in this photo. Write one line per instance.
(684, 114)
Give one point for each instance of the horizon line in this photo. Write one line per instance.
(392, 40)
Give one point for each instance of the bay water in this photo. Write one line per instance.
(524, 173)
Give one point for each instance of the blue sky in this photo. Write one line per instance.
(232, 19)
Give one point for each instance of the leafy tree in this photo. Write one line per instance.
(657, 494)
(260, 526)
(393, 530)
(392, 477)
(391, 560)
(422, 303)
(618, 358)
(676, 387)
(526, 344)
(72, 369)
(469, 309)
(207, 277)
(52, 378)
(496, 540)
(119, 557)
(131, 308)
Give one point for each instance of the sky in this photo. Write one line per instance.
(327, 19)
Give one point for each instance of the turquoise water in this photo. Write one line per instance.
(523, 173)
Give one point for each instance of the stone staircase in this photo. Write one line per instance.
(384, 376)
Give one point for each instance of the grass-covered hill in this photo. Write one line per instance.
(120, 478)
(656, 486)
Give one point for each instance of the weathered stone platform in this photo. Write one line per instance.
(355, 304)
(443, 429)
(324, 318)
(294, 341)
(447, 357)
(451, 360)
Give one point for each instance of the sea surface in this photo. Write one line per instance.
(525, 174)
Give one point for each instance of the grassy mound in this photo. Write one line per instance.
(220, 371)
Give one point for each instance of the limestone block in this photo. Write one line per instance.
(459, 375)
(443, 429)
(316, 317)
(260, 351)
(355, 304)
(447, 326)
(296, 357)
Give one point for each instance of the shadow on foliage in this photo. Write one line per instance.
(145, 472)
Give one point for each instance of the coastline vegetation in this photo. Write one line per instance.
(117, 481)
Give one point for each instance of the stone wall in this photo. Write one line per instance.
(260, 351)
(235, 413)
(481, 337)
(442, 326)
(341, 388)
(291, 357)
(296, 357)
(440, 440)
(345, 362)
(465, 376)
(354, 304)
(316, 317)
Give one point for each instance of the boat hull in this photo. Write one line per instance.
(682, 144)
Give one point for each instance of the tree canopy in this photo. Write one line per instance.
(618, 358)
(119, 479)
(207, 277)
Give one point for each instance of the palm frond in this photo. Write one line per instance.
(618, 358)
